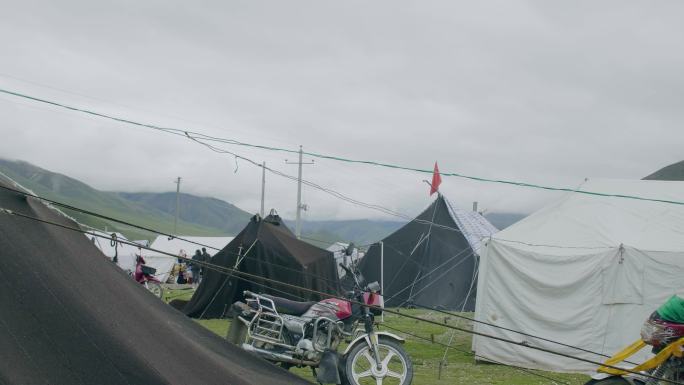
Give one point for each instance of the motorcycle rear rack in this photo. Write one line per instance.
(267, 324)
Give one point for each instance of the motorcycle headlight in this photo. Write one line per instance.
(654, 333)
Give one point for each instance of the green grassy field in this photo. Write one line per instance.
(460, 368)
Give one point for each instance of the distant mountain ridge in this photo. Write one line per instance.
(200, 216)
(70, 191)
(674, 171)
(204, 211)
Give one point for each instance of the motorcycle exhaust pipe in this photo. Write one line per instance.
(280, 357)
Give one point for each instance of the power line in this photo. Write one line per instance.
(246, 277)
(327, 190)
(285, 267)
(449, 346)
(456, 315)
(179, 132)
(312, 275)
(66, 206)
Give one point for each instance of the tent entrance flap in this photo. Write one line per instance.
(623, 279)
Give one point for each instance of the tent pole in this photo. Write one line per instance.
(382, 275)
(263, 186)
(175, 220)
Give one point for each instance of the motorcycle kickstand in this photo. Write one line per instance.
(315, 375)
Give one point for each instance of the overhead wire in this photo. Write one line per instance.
(434, 280)
(251, 281)
(449, 346)
(70, 207)
(325, 189)
(57, 203)
(180, 132)
(247, 276)
(354, 161)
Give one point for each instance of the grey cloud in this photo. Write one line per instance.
(547, 92)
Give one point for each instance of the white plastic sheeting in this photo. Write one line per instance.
(475, 227)
(164, 263)
(585, 271)
(339, 252)
(125, 253)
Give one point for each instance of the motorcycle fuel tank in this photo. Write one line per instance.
(332, 308)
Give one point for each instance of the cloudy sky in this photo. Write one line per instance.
(545, 92)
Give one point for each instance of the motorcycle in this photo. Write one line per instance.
(291, 333)
(666, 339)
(145, 275)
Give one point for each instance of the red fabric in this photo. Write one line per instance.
(436, 180)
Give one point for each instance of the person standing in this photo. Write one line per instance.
(206, 258)
(206, 255)
(195, 267)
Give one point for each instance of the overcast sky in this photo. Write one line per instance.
(546, 92)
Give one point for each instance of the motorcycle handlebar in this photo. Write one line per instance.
(348, 270)
(248, 293)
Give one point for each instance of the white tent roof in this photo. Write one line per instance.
(163, 263)
(338, 249)
(175, 245)
(475, 227)
(590, 221)
(126, 253)
(586, 270)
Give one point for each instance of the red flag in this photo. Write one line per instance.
(436, 180)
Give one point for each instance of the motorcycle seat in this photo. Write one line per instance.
(288, 306)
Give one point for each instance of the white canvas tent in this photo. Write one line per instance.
(125, 253)
(586, 271)
(164, 264)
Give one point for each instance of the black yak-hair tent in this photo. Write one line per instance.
(264, 248)
(70, 316)
(432, 260)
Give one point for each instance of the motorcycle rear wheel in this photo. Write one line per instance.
(359, 365)
(155, 289)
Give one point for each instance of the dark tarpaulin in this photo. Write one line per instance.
(70, 316)
(272, 251)
(426, 265)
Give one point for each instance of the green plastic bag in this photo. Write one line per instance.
(672, 310)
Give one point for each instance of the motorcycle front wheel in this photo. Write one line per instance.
(155, 289)
(395, 365)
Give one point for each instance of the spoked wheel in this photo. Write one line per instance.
(155, 289)
(395, 365)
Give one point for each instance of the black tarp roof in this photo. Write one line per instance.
(271, 250)
(426, 265)
(70, 316)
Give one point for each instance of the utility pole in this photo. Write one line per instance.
(298, 227)
(263, 186)
(175, 220)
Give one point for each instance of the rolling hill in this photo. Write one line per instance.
(200, 216)
(68, 190)
(672, 172)
(208, 212)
